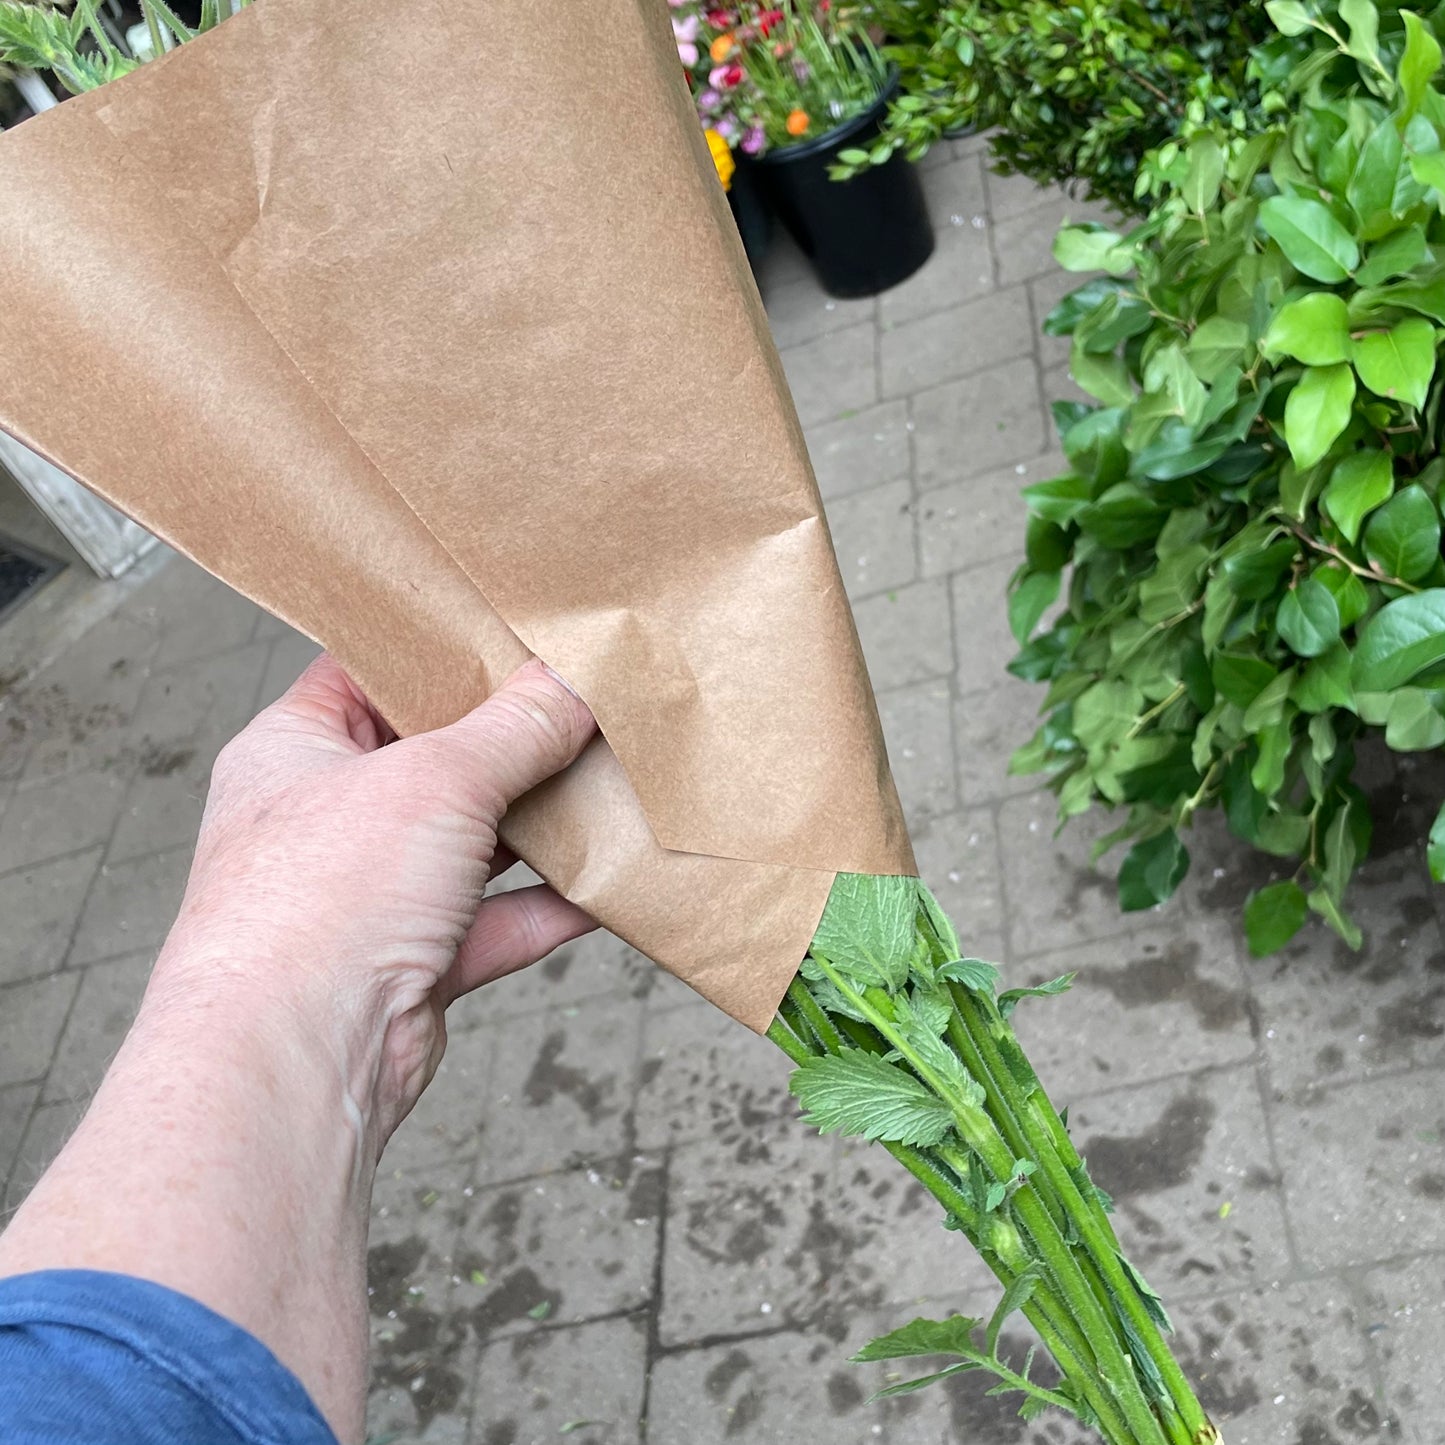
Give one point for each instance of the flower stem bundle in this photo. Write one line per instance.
(899, 1039)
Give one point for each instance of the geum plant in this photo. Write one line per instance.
(900, 1039)
(1247, 549)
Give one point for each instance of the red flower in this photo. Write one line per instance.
(719, 19)
(768, 19)
(727, 76)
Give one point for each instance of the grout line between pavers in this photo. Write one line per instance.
(653, 1349)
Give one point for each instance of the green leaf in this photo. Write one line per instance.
(1047, 546)
(1317, 411)
(1062, 320)
(973, 973)
(1324, 903)
(1219, 342)
(1372, 186)
(1435, 847)
(952, 1336)
(1429, 171)
(1103, 375)
(1008, 1000)
(1015, 1297)
(1267, 774)
(1240, 677)
(1151, 871)
(1121, 316)
(1091, 247)
(1273, 915)
(1351, 599)
(1269, 706)
(1359, 483)
(1403, 537)
(856, 1092)
(868, 926)
(1314, 329)
(1290, 16)
(1256, 574)
(1028, 602)
(1398, 363)
(1419, 63)
(1174, 452)
(1095, 447)
(1058, 500)
(1311, 238)
(1396, 255)
(1364, 21)
(1200, 189)
(1325, 683)
(1309, 618)
(1415, 724)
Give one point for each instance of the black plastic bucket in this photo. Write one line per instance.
(862, 235)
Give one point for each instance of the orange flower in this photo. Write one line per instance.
(797, 122)
(721, 48)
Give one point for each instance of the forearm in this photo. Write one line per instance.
(225, 1157)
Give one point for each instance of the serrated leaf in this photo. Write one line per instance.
(856, 1092)
(1311, 238)
(1273, 915)
(1314, 329)
(1398, 363)
(1309, 619)
(1151, 871)
(1359, 483)
(1400, 641)
(1008, 1001)
(907, 1387)
(1015, 1297)
(940, 921)
(973, 973)
(867, 928)
(953, 1336)
(1317, 411)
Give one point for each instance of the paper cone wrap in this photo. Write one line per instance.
(426, 327)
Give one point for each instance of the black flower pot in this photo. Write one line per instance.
(862, 235)
(750, 210)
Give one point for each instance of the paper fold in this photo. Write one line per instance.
(446, 351)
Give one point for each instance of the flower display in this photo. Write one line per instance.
(768, 76)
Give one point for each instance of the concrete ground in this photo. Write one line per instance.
(604, 1221)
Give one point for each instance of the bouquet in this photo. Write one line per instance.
(767, 76)
(352, 377)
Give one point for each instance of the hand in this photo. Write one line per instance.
(343, 871)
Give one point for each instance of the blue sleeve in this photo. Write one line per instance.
(103, 1359)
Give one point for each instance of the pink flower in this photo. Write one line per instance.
(754, 140)
(684, 31)
(727, 128)
(725, 77)
(708, 99)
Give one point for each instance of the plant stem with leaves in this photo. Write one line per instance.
(899, 1039)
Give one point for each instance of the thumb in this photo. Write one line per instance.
(529, 729)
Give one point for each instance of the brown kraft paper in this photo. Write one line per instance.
(425, 326)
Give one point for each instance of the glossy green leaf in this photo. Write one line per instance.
(1078, 304)
(1308, 618)
(1273, 915)
(1395, 255)
(1175, 452)
(1429, 170)
(1102, 374)
(1402, 538)
(1255, 573)
(1317, 411)
(1363, 20)
(1290, 16)
(1435, 847)
(1400, 641)
(1398, 363)
(1151, 871)
(1419, 63)
(1121, 316)
(1059, 500)
(1310, 236)
(1095, 447)
(1240, 677)
(1314, 329)
(1359, 483)
(1327, 905)
(1029, 600)
(1351, 599)
(1206, 170)
(1325, 682)
(1267, 774)
(1372, 186)
(1219, 342)
(1415, 723)
(1091, 247)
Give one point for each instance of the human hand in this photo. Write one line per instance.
(341, 872)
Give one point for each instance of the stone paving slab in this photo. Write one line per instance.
(604, 1217)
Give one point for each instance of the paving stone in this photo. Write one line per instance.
(211, 694)
(979, 424)
(423, 1353)
(789, 1388)
(166, 798)
(1056, 897)
(800, 312)
(59, 815)
(834, 374)
(531, 1387)
(1025, 242)
(1013, 196)
(980, 519)
(32, 1015)
(873, 536)
(291, 654)
(861, 450)
(1059, 385)
(915, 728)
(956, 342)
(783, 264)
(984, 644)
(131, 906)
(960, 269)
(567, 1248)
(957, 189)
(40, 906)
(105, 1006)
(1386, 1137)
(988, 727)
(1329, 1013)
(1173, 1155)
(15, 1106)
(202, 615)
(907, 635)
(596, 966)
(50, 1126)
(450, 1120)
(704, 1076)
(754, 1237)
(564, 1089)
(1405, 1318)
(958, 858)
(1144, 1005)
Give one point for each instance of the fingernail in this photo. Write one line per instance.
(553, 673)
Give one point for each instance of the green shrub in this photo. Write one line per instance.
(1248, 545)
(1081, 91)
